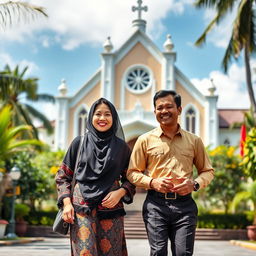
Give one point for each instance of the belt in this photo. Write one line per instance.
(168, 196)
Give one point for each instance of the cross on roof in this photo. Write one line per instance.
(139, 8)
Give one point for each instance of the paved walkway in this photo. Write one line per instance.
(60, 247)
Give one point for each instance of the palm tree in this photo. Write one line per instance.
(16, 11)
(242, 37)
(13, 86)
(10, 142)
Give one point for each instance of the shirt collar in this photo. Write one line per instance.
(158, 131)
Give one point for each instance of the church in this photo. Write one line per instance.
(129, 77)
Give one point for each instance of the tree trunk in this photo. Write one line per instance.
(4, 184)
(249, 79)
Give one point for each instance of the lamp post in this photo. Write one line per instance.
(15, 175)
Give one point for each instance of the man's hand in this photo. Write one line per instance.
(186, 187)
(163, 184)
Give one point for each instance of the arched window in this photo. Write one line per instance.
(82, 117)
(191, 120)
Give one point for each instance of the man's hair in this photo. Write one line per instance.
(164, 93)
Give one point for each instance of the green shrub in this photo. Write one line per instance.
(224, 221)
(42, 218)
(21, 211)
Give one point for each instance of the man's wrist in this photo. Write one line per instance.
(151, 184)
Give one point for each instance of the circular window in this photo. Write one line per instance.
(138, 80)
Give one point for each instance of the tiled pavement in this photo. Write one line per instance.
(60, 247)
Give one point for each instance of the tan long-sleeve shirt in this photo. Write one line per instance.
(155, 155)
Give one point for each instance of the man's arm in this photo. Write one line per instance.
(138, 164)
(203, 165)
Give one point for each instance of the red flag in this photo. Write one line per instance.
(242, 139)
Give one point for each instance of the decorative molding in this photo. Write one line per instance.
(138, 37)
(86, 88)
(189, 87)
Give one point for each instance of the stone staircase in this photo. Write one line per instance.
(135, 229)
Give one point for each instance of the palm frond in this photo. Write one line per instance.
(23, 143)
(239, 197)
(15, 12)
(25, 111)
(229, 53)
(45, 98)
(205, 3)
(202, 38)
(41, 117)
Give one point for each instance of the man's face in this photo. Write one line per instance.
(166, 111)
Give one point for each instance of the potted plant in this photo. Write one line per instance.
(3, 224)
(21, 211)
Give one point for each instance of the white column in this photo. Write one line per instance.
(107, 76)
(61, 126)
(168, 74)
(212, 122)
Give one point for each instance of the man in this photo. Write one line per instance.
(162, 162)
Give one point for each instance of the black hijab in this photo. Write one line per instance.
(104, 156)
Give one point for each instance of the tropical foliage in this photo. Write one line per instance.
(10, 144)
(249, 160)
(247, 195)
(9, 136)
(13, 87)
(36, 185)
(37, 176)
(14, 12)
(242, 36)
(228, 176)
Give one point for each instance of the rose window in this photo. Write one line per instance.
(138, 79)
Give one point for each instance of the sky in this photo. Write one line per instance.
(67, 45)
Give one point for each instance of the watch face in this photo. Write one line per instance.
(196, 186)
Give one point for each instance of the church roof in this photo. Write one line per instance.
(228, 117)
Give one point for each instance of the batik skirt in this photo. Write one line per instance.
(93, 237)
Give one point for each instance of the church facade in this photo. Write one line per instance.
(129, 77)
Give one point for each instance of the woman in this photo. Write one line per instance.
(96, 209)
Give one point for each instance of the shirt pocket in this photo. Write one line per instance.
(186, 160)
(155, 157)
(156, 152)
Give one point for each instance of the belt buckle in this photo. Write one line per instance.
(170, 198)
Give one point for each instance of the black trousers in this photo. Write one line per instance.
(173, 219)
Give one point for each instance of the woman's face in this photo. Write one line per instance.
(102, 118)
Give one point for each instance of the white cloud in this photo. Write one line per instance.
(7, 59)
(86, 21)
(230, 87)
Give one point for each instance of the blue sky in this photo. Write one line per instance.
(68, 44)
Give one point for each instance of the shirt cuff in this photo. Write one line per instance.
(146, 182)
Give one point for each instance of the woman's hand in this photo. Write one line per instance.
(68, 211)
(113, 197)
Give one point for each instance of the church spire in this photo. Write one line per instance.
(139, 22)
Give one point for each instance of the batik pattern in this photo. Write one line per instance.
(93, 237)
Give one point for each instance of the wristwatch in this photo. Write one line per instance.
(196, 186)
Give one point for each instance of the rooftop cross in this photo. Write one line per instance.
(139, 8)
